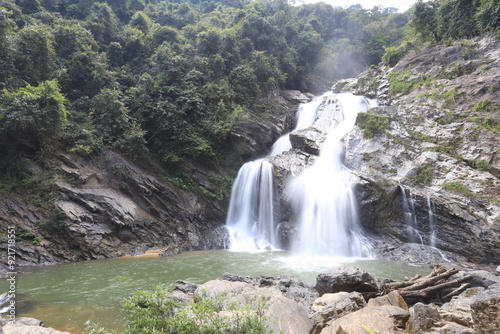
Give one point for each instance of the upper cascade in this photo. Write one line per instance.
(322, 196)
(325, 209)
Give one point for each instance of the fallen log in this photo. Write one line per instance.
(438, 286)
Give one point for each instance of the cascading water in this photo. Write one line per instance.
(432, 223)
(410, 217)
(251, 212)
(250, 220)
(322, 195)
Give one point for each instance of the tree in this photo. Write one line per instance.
(488, 15)
(31, 117)
(455, 19)
(35, 54)
(113, 124)
(425, 20)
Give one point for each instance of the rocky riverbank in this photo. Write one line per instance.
(351, 301)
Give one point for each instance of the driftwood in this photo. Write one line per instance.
(438, 286)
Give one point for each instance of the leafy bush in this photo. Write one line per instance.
(31, 117)
(372, 124)
(154, 312)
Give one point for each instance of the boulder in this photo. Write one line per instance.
(292, 288)
(371, 319)
(458, 310)
(282, 315)
(392, 298)
(27, 326)
(424, 316)
(332, 306)
(346, 278)
(486, 310)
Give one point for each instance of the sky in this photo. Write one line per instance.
(401, 5)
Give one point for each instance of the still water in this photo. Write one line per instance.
(65, 296)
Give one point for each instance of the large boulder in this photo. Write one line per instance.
(346, 278)
(486, 310)
(332, 306)
(392, 298)
(371, 319)
(424, 317)
(282, 315)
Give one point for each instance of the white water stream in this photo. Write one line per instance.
(322, 196)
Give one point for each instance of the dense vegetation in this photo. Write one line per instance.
(149, 312)
(443, 21)
(166, 79)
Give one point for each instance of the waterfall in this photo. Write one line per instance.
(251, 211)
(432, 223)
(250, 220)
(325, 207)
(414, 235)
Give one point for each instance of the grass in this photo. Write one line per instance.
(457, 187)
(400, 83)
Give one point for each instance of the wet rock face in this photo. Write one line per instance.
(113, 208)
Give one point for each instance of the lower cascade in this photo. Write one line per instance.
(325, 210)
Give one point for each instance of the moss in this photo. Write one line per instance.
(372, 124)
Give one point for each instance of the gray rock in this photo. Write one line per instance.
(346, 278)
(498, 271)
(332, 306)
(486, 310)
(424, 317)
(283, 315)
(28, 326)
(458, 310)
(186, 287)
(237, 278)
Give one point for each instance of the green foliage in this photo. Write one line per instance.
(372, 124)
(400, 83)
(31, 117)
(55, 221)
(457, 187)
(113, 124)
(488, 15)
(393, 54)
(34, 54)
(155, 312)
(450, 97)
(172, 77)
(481, 165)
(423, 176)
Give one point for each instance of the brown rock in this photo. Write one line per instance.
(379, 319)
(392, 298)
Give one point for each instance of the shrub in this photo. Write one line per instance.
(154, 312)
(372, 124)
